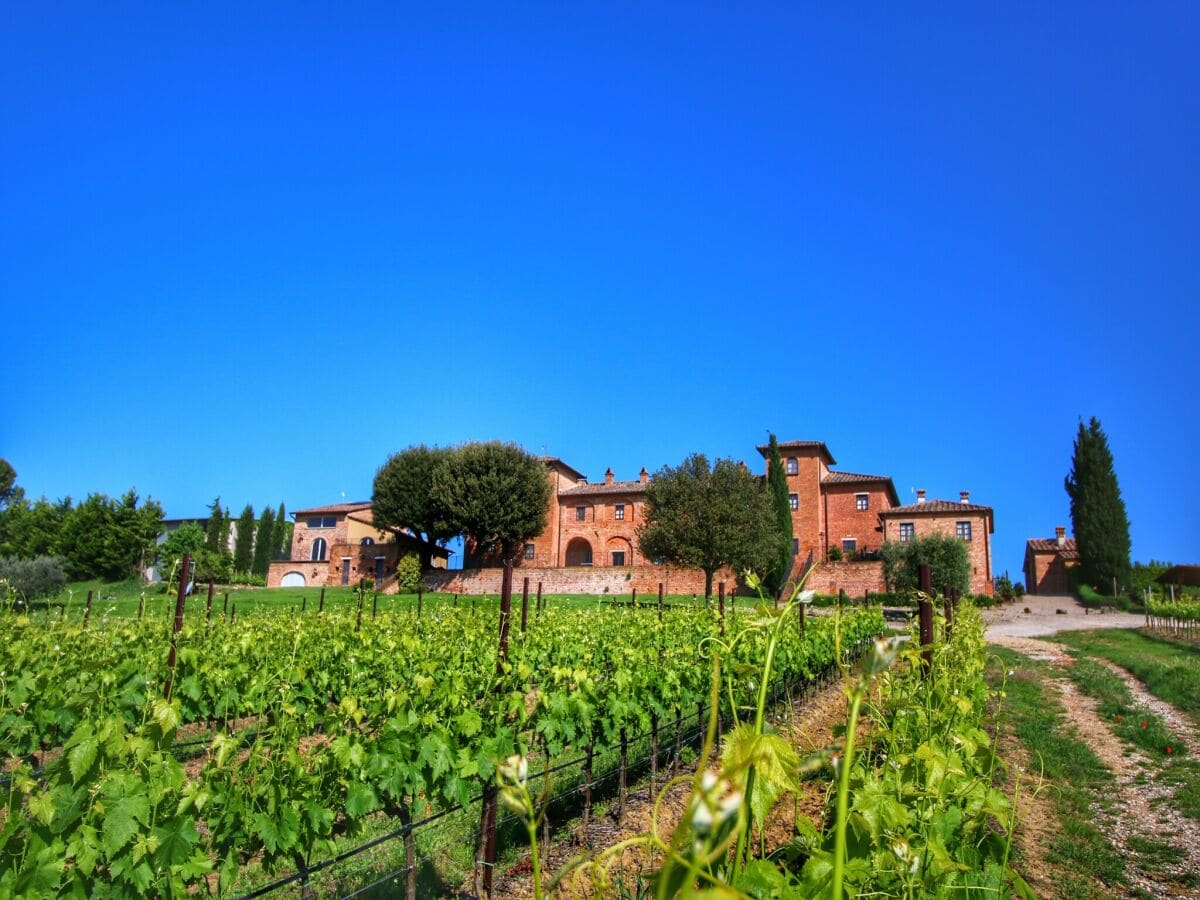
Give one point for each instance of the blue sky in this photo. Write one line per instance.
(249, 250)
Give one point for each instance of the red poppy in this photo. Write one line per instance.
(1169, 750)
(1143, 724)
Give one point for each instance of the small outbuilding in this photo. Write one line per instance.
(1048, 561)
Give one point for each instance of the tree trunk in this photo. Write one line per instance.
(708, 580)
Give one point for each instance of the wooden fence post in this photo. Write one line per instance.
(225, 608)
(540, 602)
(925, 613)
(87, 610)
(321, 604)
(375, 606)
(524, 604)
(660, 601)
(208, 603)
(176, 626)
(721, 608)
(489, 802)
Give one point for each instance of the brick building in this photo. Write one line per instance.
(969, 522)
(1047, 561)
(339, 544)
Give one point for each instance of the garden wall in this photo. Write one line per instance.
(855, 578)
(614, 580)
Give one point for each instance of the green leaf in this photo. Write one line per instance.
(360, 800)
(80, 758)
(122, 821)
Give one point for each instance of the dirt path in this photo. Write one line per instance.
(808, 725)
(1140, 805)
(1040, 615)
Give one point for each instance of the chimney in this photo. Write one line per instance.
(581, 480)
(643, 476)
(1060, 536)
(920, 495)
(608, 476)
(964, 496)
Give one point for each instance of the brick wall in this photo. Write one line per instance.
(578, 580)
(845, 520)
(855, 578)
(1048, 575)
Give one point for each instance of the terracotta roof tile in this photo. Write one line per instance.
(801, 445)
(617, 487)
(1069, 549)
(935, 506)
(333, 509)
(852, 478)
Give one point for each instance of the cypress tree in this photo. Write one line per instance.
(226, 523)
(782, 510)
(1097, 511)
(264, 548)
(214, 526)
(281, 540)
(243, 543)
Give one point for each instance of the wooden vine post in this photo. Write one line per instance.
(177, 626)
(525, 604)
(87, 610)
(660, 602)
(208, 602)
(721, 608)
(540, 602)
(488, 825)
(358, 621)
(375, 606)
(420, 600)
(225, 609)
(321, 602)
(633, 598)
(925, 614)
(622, 775)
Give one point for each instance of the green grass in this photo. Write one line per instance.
(123, 598)
(1169, 670)
(1074, 776)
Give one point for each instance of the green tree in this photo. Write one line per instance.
(209, 565)
(706, 519)
(495, 494)
(110, 539)
(243, 542)
(281, 540)
(1098, 514)
(778, 489)
(33, 530)
(408, 573)
(950, 567)
(264, 542)
(403, 498)
(8, 482)
(214, 527)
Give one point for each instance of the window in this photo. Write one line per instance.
(529, 551)
(962, 531)
(794, 501)
(861, 501)
(367, 541)
(580, 513)
(906, 531)
(321, 522)
(849, 545)
(319, 549)
(619, 511)
(618, 557)
(795, 546)
(792, 466)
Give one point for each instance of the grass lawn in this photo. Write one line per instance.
(1170, 670)
(123, 598)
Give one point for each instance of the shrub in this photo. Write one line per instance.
(248, 579)
(947, 558)
(834, 554)
(34, 579)
(408, 573)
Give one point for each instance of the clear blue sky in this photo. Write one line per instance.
(249, 250)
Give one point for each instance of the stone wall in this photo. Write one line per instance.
(578, 580)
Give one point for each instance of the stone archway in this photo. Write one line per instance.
(579, 552)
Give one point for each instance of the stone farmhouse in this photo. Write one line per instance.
(340, 544)
(1048, 561)
(589, 544)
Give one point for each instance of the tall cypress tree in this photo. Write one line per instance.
(264, 548)
(777, 486)
(243, 543)
(281, 544)
(1097, 510)
(214, 527)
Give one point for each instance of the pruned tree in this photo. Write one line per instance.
(708, 518)
(949, 565)
(214, 527)
(495, 494)
(243, 542)
(403, 498)
(1098, 514)
(281, 540)
(777, 487)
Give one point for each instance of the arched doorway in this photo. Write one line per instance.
(292, 579)
(620, 552)
(579, 552)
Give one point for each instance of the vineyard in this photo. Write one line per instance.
(281, 735)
